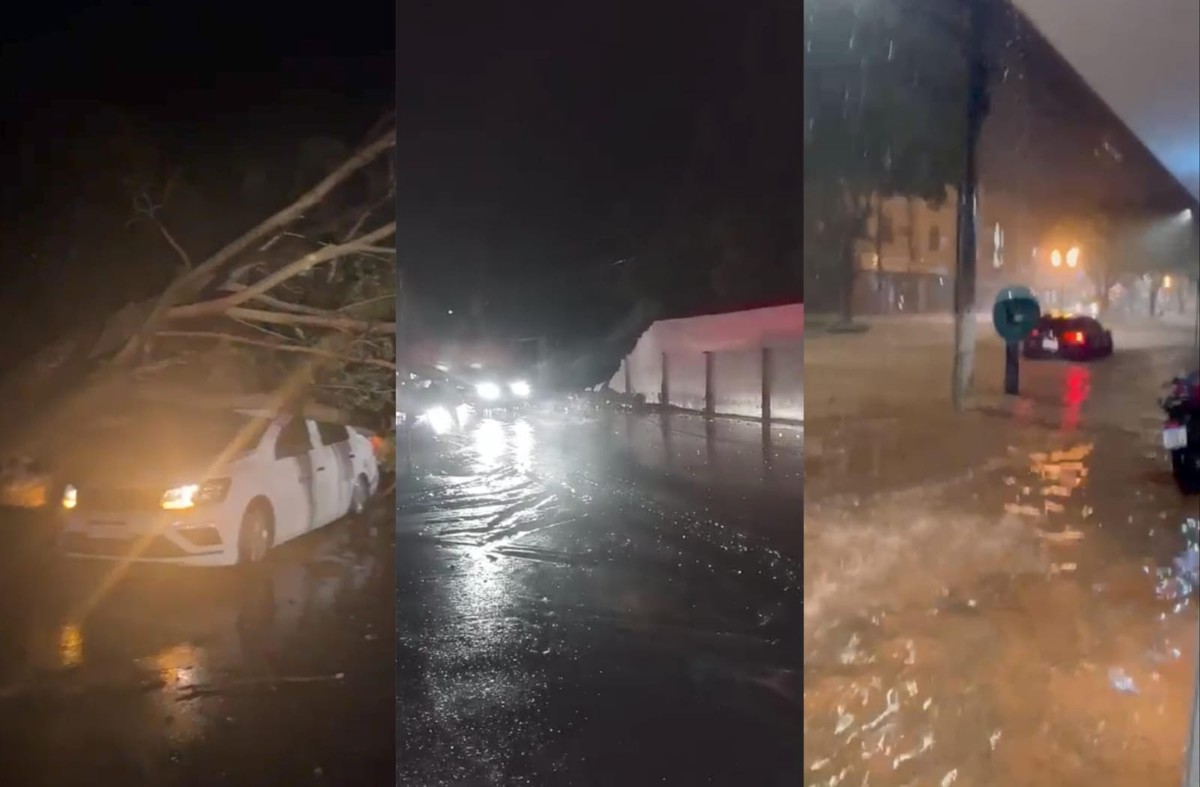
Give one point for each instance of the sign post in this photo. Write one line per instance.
(1015, 314)
(1012, 368)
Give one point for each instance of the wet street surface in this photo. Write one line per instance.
(278, 675)
(595, 599)
(1002, 597)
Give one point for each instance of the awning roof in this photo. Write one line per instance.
(1142, 57)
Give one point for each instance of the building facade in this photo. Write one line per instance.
(906, 263)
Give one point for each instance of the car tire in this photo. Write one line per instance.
(256, 535)
(359, 496)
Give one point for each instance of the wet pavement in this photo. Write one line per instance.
(1002, 597)
(278, 675)
(602, 599)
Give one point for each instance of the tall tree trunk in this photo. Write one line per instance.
(879, 288)
(849, 266)
(964, 279)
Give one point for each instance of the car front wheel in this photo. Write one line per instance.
(255, 535)
(358, 497)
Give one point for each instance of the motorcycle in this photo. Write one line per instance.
(1181, 431)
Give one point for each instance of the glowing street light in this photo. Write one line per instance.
(1166, 282)
(1072, 256)
(1056, 258)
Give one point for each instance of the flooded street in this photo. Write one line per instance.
(280, 675)
(1006, 596)
(602, 599)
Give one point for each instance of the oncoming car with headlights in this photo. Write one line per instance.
(210, 489)
(495, 393)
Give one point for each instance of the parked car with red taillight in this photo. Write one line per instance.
(1067, 336)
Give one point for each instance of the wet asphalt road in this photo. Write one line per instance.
(1002, 597)
(564, 599)
(280, 675)
(596, 600)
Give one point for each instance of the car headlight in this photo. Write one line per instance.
(439, 419)
(70, 497)
(488, 391)
(520, 389)
(192, 495)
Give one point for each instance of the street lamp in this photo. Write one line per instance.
(1056, 258)
(1072, 256)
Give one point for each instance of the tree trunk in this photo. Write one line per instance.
(964, 279)
(879, 288)
(848, 277)
(1105, 286)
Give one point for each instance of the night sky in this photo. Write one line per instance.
(199, 81)
(541, 142)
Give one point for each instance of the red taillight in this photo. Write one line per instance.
(1074, 337)
(1035, 332)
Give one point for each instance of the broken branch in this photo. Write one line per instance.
(305, 263)
(335, 322)
(288, 348)
(195, 279)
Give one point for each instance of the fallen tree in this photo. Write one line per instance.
(297, 312)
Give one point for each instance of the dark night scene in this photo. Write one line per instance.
(599, 445)
(199, 302)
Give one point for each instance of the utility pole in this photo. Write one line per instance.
(964, 269)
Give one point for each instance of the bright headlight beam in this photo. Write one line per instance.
(520, 389)
(488, 391)
(439, 419)
(180, 497)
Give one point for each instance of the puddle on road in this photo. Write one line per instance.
(558, 566)
(1050, 642)
(175, 634)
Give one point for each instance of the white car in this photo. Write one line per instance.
(210, 489)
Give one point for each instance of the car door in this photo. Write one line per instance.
(325, 481)
(336, 438)
(292, 480)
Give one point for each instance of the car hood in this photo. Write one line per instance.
(151, 464)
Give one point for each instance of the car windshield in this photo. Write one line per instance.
(201, 432)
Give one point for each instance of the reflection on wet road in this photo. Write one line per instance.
(202, 676)
(1030, 621)
(591, 600)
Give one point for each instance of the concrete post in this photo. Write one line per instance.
(664, 392)
(710, 393)
(628, 377)
(766, 385)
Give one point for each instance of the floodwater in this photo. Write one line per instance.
(1025, 614)
(601, 599)
(174, 676)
